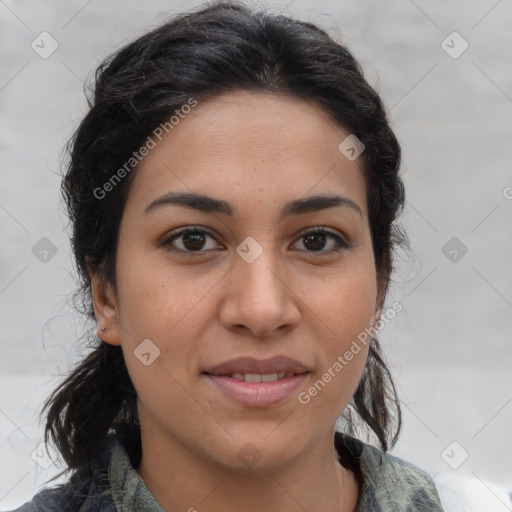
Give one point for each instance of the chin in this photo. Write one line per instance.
(260, 452)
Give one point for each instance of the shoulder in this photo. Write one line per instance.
(87, 490)
(106, 484)
(454, 492)
(381, 467)
(398, 483)
(389, 483)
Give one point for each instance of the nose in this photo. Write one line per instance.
(260, 298)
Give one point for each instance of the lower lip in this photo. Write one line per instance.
(262, 394)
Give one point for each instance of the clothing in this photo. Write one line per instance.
(111, 484)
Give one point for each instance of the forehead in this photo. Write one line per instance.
(273, 145)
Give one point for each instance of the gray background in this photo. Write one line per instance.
(449, 349)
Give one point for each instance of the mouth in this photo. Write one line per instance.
(256, 378)
(258, 383)
(250, 366)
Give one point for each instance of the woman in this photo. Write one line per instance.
(234, 192)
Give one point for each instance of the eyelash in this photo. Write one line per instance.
(340, 242)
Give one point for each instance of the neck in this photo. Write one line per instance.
(181, 479)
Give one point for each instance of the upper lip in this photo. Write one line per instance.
(278, 364)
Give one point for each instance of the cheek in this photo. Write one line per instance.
(164, 399)
(156, 295)
(165, 304)
(346, 304)
(346, 308)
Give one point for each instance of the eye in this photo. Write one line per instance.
(315, 240)
(193, 240)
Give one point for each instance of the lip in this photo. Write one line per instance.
(277, 364)
(263, 394)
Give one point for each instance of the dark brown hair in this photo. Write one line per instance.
(220, 48)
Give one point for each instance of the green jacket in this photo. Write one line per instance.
(111, 484)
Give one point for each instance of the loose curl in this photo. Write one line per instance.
(220, 48)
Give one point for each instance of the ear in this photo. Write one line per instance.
(376, 315)
(105, 310)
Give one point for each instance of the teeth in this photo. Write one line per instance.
(256, 378)
(252, 377)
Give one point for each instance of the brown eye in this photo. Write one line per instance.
(190, 240)
(316, 240)
(193, 241)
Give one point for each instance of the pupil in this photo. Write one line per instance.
(316, 237)
(196, 240)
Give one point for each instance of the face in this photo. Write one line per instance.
(251, 277)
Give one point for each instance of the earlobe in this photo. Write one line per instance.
(105, 310)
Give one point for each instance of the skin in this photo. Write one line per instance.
(257, 151)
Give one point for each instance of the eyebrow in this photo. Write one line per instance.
(209, 204)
